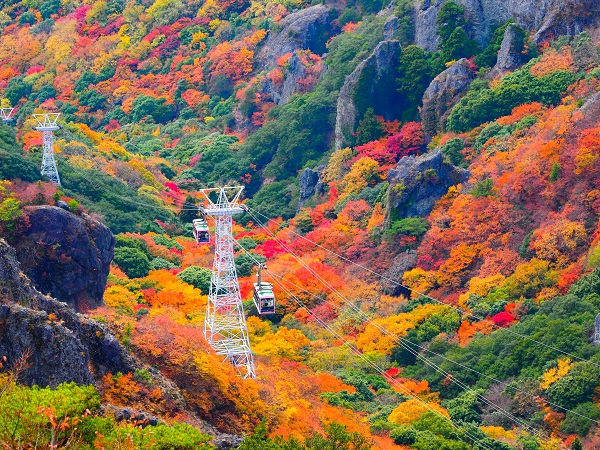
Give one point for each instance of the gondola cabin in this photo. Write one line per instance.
(264, 299)
(201, 231)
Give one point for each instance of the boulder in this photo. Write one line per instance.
(510, 56)
(547, 18)
(65, 255)
(416, 183)
(308, 28)
(443, 93)
(374, 79)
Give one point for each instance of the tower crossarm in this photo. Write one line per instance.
(6, 114)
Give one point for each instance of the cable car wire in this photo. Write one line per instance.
(460, 310)
(405, 344)
(383, 329)
(378, 369)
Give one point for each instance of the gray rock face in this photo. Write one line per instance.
(305, 29)
(294, 72)
(390, 27)
(596, 339)
(401, 263)
(444, 92)
(66, 256)
(545, 17)
(509, 56)
(416, 183)
(308, 181)
(64, 345)
(379, 72)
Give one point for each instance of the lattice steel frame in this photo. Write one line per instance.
(6, 114)
(225, 324)
(47, 125)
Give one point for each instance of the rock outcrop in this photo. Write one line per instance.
(416, 183)
(374, 79)
(510, 56)
(393, 276)
(63, 345)
(308, 28)
(310, 184)
(546, 18)
(443, 93)
(65, 255)
(295, 72)
(596, 338)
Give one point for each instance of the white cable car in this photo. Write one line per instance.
(201, 232)
(264, 298)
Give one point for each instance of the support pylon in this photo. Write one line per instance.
(225, 324)
(6, 114)
(47, 125)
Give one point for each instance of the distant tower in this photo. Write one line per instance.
(225, 324)
(6, 114)
(47, 125)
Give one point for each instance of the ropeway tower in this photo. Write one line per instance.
(6, 114)
(225, 324)
(47, 125)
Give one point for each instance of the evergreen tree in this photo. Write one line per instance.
(369, 129)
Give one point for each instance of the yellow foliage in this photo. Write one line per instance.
(411, 410)
(498, 432)
(551, 376)
(121, 298)
(287, 343)
(335, 169)
(363, 172)
(373, 339)
(419, 280)
(483, 286)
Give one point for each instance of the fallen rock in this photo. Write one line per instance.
(65, 255)
(443, 93)
(393, 276)
(416, 183)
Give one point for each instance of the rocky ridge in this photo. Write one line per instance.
(547, 18)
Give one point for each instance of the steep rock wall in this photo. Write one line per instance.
(65, 255)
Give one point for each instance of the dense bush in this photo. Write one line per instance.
(132, 261)
(199, 277)
(485, 104)
(245, 262)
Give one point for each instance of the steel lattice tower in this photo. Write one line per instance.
(6, 114)
(47, 125)
(225, 324)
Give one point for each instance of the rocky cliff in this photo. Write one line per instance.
(416, 183)
(63, 345)
(547, 18)
(65, 255)
(373, 82)
(308, 28)
(444, 92)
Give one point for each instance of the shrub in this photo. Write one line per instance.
(199, 277)
(404, 435)
(132, 261)
(246, 261)
(412, 226)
